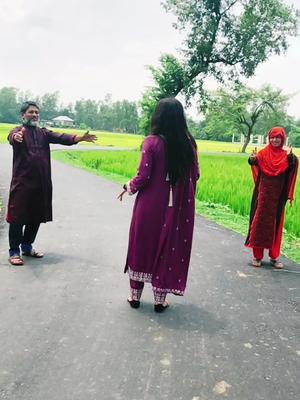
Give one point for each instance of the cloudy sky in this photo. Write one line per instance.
(86, 49)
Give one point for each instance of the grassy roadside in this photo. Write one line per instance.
(218, 213)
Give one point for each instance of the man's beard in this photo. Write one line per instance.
(30, 122)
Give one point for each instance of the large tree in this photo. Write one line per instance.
(49, 104)
(9, 105)
(225, 39)
(245, 110)
(125, 116)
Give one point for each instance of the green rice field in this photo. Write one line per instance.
(225, 189)
(129, 141)
(225, 179)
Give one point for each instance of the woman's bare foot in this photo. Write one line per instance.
(256, 263)
(276, 264)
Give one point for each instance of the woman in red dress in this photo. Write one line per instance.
(275, 172)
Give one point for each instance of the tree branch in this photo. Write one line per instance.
(229, 7)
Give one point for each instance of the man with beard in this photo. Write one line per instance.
(30, 198)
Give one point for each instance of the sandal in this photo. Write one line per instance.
(159, 308)
(276, 264)
(256, 263)
(133, 303)
(33, 253)
(15, 260)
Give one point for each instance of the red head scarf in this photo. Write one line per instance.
(273, 160)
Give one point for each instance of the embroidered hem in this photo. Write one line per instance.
(147, 277)
(139, 276)
(174, 291)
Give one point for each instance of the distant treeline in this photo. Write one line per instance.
(228, 112)
(118, 116)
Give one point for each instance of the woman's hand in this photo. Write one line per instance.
(289, 150)
(120, 197)
(253, 154)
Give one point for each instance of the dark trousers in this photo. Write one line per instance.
(23, 235)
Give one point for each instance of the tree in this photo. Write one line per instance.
(49, 105)
(86, 112)
(120, 116)
(294, 133)
(245, 110)
(8, 105)
(67, 110)
(168, 78)
(225, 39)
(125, 116)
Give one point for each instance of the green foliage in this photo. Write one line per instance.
(9, 105)
(236, 35)
(294, 134)
(168, 80)
(148, 105)
(169, 77)
(119, 116)
(240, 109)
(49, 106)
(225, 39)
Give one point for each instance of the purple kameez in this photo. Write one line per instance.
(162, 224)
(30, 198)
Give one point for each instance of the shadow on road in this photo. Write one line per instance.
(185, 317)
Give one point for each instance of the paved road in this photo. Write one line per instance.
(67, 332)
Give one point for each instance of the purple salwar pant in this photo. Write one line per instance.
(136, 290)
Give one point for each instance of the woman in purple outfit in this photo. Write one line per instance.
(161, 230)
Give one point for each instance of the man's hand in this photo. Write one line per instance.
(18, 136)
(86, 138)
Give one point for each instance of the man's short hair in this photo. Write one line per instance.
(26, 105)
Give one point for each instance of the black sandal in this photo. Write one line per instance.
(134, 303)
(159, 308)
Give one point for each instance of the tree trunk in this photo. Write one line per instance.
(247, 140)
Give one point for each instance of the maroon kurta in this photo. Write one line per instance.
(162, 224)
(30, 198)
(268, 206)
(266, 221)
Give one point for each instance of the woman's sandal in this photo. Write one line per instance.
(159, 308)
(256, 263)
(133, 303)
(276, 264)
(15, 260)
(33, 253)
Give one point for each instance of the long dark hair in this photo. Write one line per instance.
(168, 121)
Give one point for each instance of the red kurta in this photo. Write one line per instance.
(30, 198)
(268, 206)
